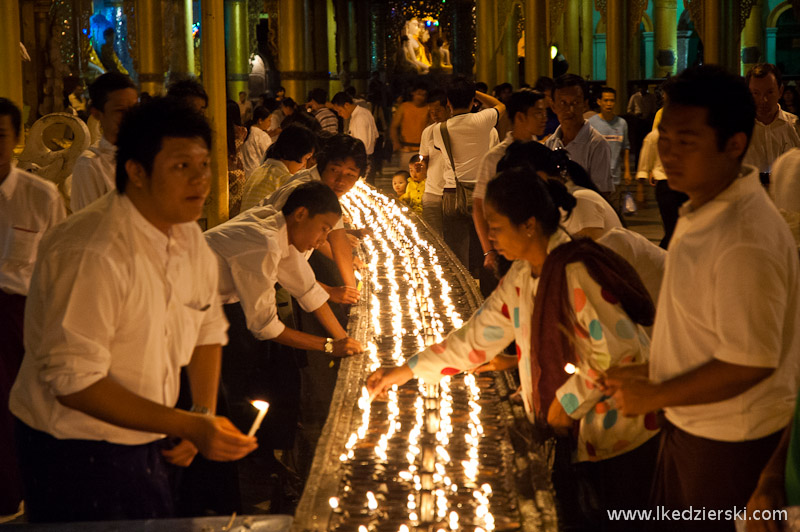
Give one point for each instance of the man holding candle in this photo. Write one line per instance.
(125, 293)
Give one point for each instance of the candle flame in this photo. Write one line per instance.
(570, 368)
(260, 405)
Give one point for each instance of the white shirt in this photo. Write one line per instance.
(487, 168)
(254, 148)
(470, 139)
(112, 296)
(29, 206)
(254, 253)
(646, 258)
(278, 198)
(591, 210)
(785, 181)
(362, 126)
(435, 182)
(94, 174)
(771, 140)
(590, 150)
(264, 180)
(731, 294)
(649, 161)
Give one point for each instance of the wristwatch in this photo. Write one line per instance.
(328, 345)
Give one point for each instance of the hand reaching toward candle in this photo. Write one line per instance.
(344, 294)
(383, 379)
(498, 363)
(182, 454)
(634, 395)
(218, 439)
(345, 347)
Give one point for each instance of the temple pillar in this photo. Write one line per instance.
(666, 38)
(317, 16)
(572, 36)
(753, 39)
(237, 55)
(510, 58)
(712, 31)
(149, 32)
(213, 34)
(616, 50)
(587, 38)
(10, 61)
(537, 53)
(485, 23)
(291, 50)
(182, 51)
(462, 38)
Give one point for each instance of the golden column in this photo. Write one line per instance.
(666, 37)
(236, 42)
(511, 65)
(572, 36)
(616, 43)
(149, 32)
(291, 53)
(212, 28)
(485, 21)
(712, 13)
(753, 39)
(587, 39)
(182, 55)
(537, 53)
(10, 60)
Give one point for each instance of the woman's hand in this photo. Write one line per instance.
(384, 378)
(498, 363)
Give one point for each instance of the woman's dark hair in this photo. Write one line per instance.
(292, 144)
(234, 118)
(260, 113)
(9, 109)
(145, 127)
(520, 194)
(340, 147)
(315, 196)
(541, 158)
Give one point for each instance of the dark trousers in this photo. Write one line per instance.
(12, 310)
(81, 480)
(669, 201)
(701, 473)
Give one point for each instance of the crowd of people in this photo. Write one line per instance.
(132, 342)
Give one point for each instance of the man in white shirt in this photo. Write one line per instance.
(433, 162)
(724, 357)
(124, 293)
(470, 138)
(527, 111)
(776, 131)
(585, 145)
(362, 126)
(784, 187)
(29, 206)
(111, 95)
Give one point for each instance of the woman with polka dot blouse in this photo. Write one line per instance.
(588, 310)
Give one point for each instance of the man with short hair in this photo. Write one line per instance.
(433, 163)
(776, 131)
(124, 293)
(527, 111)
(585, 145)
(190, 91)
(408, 122)
(29, 206)
(614, 129)
(724, 356)
(361, 125)
(317, 106)
(111, 95)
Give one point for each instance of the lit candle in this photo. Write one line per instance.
(262, 407)
(572, 369)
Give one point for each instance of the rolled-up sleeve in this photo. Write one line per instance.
(297, 277)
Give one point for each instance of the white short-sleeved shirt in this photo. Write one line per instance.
(470, 139)
(591, 211)
(278, 198)
(590, 150)
(435, 182)
(362, 126)
(94, 174)
(649, 161)
(487, 168)
(112, 296)
(771, 140)
(785, 181)
(254, 253)
(730, 293)
(254, 149)
(646, 258)
(29, 206)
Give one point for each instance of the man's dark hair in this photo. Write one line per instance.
(280, 89)
(105, 85)
(503, 87)
(288, 102)
(145, 126)
(570, 80)
(762, 70)
(351, 91)
(438, 95)
(187, 88)
(9, 109)
(341, 98)
(521, 101)
(315, 196)
(340, 147)
(725, 96)
(107, 31)
(260, 113)
(481, 87)
(270, 103)
(545, 85)
(318, 95)
(418, 84)
(612, 90)
(460, 92)
(293, 143)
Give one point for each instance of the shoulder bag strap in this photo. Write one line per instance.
(447, 147)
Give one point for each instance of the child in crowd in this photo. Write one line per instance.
(400, 183)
